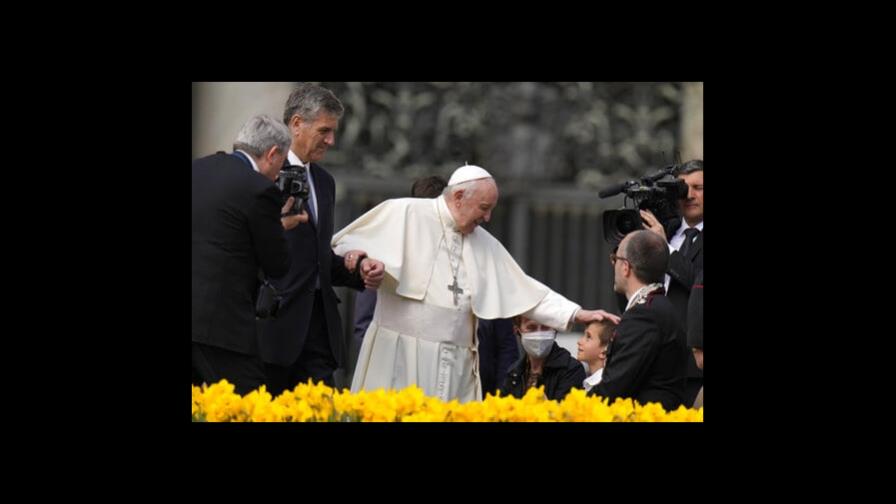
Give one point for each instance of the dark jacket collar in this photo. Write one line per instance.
(240, 155)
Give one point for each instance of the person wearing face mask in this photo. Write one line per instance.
(543, 363)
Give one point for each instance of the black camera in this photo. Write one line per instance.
(649, 193)
(293, 181)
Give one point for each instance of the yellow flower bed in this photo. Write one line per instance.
(319, 403)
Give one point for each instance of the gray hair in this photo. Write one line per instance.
(648, 254)
(470, 188)
(308, 100)
(260, 133)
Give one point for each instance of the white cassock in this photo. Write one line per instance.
(418, 335)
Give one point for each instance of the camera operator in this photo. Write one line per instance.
(236, 227)
(686, 259)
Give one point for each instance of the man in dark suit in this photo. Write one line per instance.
(305, 340)
(686, 259)
(646, 357)
(236, 229)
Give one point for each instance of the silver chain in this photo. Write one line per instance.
(451, 250)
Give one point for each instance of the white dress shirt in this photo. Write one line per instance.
(593, 380)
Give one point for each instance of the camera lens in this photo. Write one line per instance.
(628, 222)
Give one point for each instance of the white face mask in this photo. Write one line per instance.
(538, 344)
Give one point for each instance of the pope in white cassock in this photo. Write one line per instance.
(442, 272)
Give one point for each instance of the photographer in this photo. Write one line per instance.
(236, 227)
(686, 259)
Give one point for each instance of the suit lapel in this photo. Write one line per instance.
(242, 157)
(696, 247)
(307, 208)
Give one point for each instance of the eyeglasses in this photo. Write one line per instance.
(614, 258)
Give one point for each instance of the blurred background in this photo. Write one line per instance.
(550, 146)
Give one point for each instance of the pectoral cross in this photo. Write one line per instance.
(455, 289)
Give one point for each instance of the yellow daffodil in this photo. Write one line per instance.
(310, 402)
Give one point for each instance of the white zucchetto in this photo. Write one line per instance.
(466, 173)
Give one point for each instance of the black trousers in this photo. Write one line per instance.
(212, 364)
(315, 361)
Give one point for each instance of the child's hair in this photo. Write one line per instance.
(604, 331)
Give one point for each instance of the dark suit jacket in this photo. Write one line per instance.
(497, 352)
(236, 229)
(281, 340)
(683, 272)
(646, 357)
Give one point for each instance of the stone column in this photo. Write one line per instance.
(221, 108)
(692, 121)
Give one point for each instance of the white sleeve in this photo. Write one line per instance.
(554, 310)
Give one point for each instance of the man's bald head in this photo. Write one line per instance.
(648, 254)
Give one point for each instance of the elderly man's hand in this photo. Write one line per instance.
(291, 221)
(653, 224)
(372, 272)
(586, 316)
(351, 259)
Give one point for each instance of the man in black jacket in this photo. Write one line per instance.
(236, 229)
(685, 237)
(305, 340)
(646, 357)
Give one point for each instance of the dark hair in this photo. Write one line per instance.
(428, 187)
(308, 100)
(648, 255)
(691, 166)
